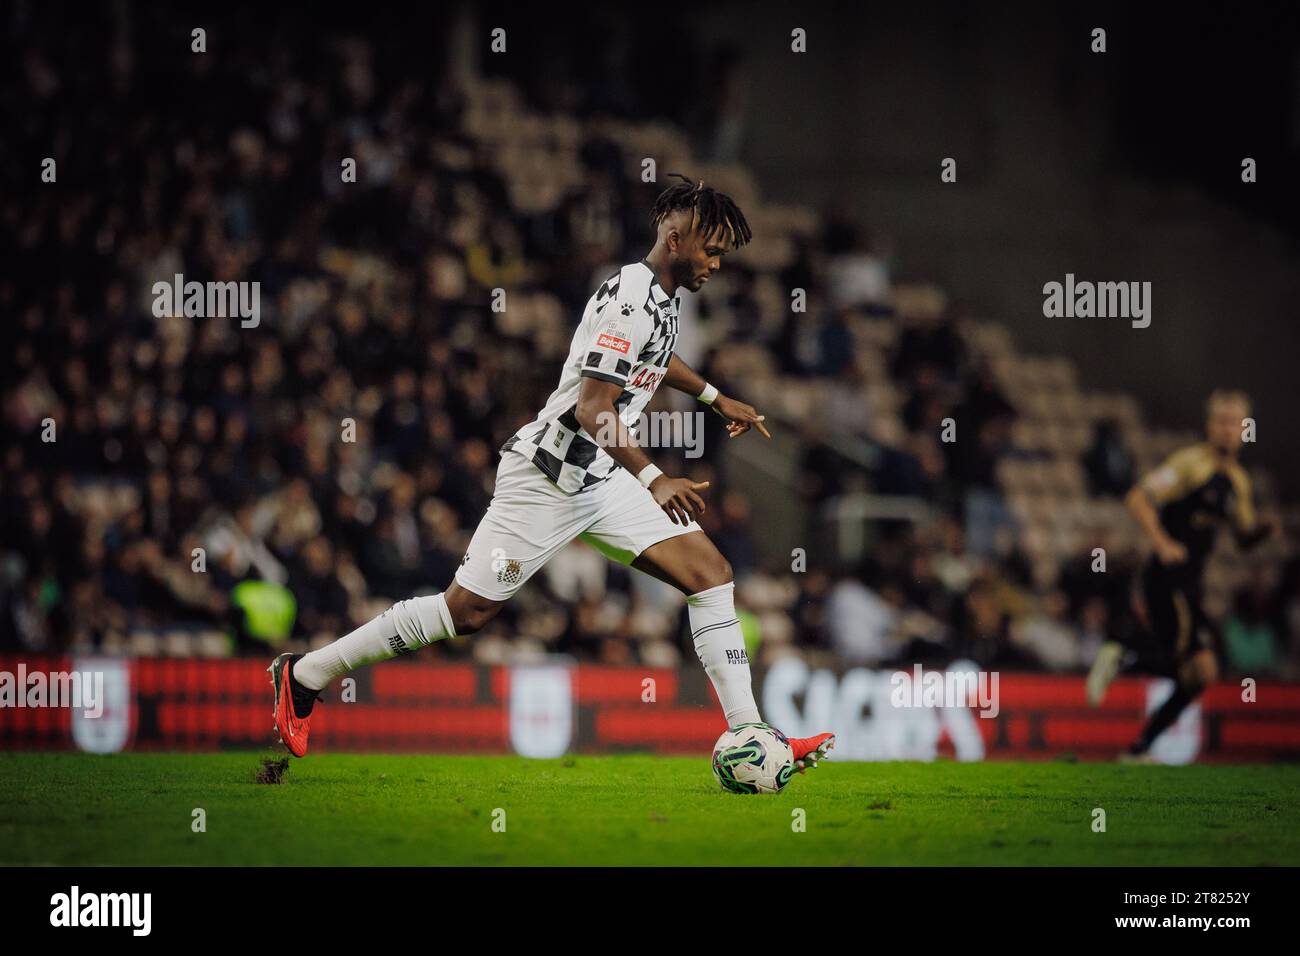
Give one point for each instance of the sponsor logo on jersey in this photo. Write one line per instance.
(605, 340)
(646, 379)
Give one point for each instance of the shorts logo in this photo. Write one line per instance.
(605, 340)
(737, 657)
(508, 570)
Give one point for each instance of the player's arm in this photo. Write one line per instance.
(598, 418)
(1140, 506)
(1248, 529)
(1264, 529)
(740, 417)
(1143, 499)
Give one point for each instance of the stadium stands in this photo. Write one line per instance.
(185, 444)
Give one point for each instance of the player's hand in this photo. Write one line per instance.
(1170, 551)
(677, 496)
(740, 417)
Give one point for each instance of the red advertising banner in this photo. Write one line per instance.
(112, 704)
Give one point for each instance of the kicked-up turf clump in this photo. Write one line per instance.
(273, 770)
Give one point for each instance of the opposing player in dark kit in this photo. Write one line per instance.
(1181, 506)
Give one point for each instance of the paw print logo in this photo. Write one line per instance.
(626, 309)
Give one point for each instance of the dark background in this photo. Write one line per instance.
(1122, 166)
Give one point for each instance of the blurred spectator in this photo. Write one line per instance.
(856, 275)
(1108, 463)
(1047, 634)
(1249, 639)
(861, 621)
(734, 537)
(930, 348)
(815, 343)
(982, 631)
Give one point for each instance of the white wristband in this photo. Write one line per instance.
(708, 395)
(648, 474)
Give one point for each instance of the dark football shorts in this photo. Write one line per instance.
(1179, 623)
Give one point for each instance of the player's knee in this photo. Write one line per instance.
(711, 572)
(474, 619)
(723, 571)
(1198, 673)
(471, 614)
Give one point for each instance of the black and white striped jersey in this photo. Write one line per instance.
(626, 336)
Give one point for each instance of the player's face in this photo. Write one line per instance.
(1223, 426)
(698, 257)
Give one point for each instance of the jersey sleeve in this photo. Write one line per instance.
(620, 332)
(1173, 479)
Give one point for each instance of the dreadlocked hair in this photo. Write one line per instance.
(714, 210)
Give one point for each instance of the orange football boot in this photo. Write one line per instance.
(293, 729)
(809, 750)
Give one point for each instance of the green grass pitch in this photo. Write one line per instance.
(338, 810)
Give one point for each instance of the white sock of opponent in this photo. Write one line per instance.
(406, 626)
(721, 649)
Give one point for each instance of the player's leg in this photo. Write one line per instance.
(635, 531)
(1182, 621)
(526, 523)
(490, 577)
(404, 627)
(1134, 644)
(1104, 670)
(692, 564)
(632, 529)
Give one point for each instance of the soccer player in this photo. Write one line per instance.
(1181, 506)
(576, 471)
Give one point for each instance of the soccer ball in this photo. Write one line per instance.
(753, 758)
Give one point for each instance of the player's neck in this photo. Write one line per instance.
(659, 266)
(1221, 456)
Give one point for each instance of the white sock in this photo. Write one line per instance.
(406, 626)
(721, 649)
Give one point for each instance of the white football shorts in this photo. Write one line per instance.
(530, 520)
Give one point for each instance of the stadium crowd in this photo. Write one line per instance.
(186, 485)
